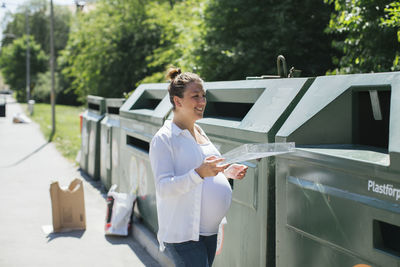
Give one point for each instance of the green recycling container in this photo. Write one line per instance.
(140, 118)
(90, 146)
(338, 195)
(110, 142)
(84, 152)
(240, 112)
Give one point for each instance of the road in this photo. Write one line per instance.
(28, 165)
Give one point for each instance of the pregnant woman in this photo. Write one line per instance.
(192, 189)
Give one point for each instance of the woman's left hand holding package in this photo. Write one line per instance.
(236, 171)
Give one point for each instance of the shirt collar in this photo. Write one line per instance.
(176, 130)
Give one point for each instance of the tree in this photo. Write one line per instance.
(368, 45)
(107, 49)
(39, 27)
(392, 19)
(13, 64)
(181, 24)
(244, 38)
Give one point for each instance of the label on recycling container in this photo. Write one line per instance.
(384, 189)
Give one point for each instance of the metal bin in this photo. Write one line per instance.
(338, 195)
(140, 118)
(240, 112)
(110, 142)
(90, 136)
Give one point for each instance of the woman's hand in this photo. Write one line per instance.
(210, 167)
(236, 171)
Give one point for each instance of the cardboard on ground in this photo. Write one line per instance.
(68, 206)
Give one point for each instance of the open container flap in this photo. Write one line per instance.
(248, 152)
(349, 114)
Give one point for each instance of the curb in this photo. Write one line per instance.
(149, 242)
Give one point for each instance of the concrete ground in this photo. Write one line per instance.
(28, 164)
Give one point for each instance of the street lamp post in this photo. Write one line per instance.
(28, 59)
(52, 94)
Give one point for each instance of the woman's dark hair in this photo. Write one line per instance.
(179, 81)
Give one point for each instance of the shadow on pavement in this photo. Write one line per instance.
(26, 157)
(75, 233)
(140, 252)
(95, 183)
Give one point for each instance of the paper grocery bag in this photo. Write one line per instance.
(68, 206)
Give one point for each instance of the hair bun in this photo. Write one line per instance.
(172, 73)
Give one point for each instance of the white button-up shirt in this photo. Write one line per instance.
(174, 154)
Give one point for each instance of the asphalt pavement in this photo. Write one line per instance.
(28, 165)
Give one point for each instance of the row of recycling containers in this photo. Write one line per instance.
(335, 201)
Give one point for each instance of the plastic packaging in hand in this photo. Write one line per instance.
(234, 170)
(254, 151)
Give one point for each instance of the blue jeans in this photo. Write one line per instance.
(194, 253)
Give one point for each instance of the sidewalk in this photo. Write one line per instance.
(28, 164)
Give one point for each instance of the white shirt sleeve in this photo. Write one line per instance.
(162, 163)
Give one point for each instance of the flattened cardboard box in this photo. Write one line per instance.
(68, 206)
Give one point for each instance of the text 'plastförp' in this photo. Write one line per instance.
(384, 189)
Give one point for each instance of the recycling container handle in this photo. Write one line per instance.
(281, 59)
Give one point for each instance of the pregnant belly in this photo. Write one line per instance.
(215, 202)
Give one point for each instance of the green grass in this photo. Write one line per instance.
(67, 137)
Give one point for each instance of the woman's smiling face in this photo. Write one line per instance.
(193, 102)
